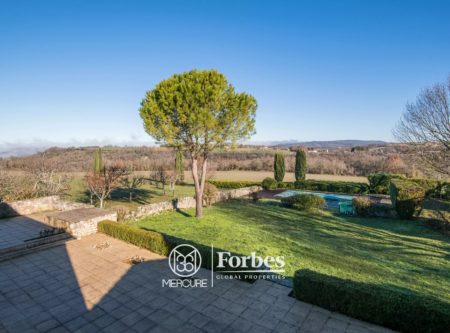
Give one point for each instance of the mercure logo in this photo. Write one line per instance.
(185, 260)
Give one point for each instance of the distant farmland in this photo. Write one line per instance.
(260, 175)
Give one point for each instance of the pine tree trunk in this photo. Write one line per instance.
(198, 192)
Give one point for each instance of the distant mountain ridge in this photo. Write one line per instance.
(324, 144)
(7, 150)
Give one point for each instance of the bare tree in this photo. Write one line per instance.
(131, 182)
(425, 125)
(16, 187)
(102, 183)
(160, 176)
(46, 180)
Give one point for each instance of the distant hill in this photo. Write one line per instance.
(7, 150)
(330, 144)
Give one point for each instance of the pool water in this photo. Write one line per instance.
(331, 200)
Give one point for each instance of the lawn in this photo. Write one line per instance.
(394, 253)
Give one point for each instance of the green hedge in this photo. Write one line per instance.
(406, 197)
(150, 240)
(303, 202)
(330, 186)
(398, 309)
(163, 244)
(233, 184)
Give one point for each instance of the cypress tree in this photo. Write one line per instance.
(98, 161)
(300, 165)
(179, 168)
(279, 167)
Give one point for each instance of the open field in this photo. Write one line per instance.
(260, 175)
(120, 197)
(398, 254)
(150, 193)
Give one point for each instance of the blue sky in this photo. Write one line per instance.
(75, 71)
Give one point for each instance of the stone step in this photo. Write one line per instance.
(34, 245)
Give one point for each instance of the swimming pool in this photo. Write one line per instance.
(326, 196)
(331, 200)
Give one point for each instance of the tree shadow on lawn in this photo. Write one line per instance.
(348, 235)
(141, 196)
(182, 212)
(264, 215)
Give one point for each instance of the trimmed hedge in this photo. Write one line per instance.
(233, 184)
(150, 240)
(303, 202)
(163, 244)
(401, 310)
(406, 197)
(332, 186)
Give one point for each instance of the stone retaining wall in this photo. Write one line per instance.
(186, 202)
(80, 222)
(32, 206)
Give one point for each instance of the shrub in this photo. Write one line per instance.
(397, 309)
(361, 206)
(406, 197)
(279, 167)
(150, 240)
(269, 183)
(379, 182)
(303, 202)
(225, 184)
(209, 194)
(300, 165)
(332, 186)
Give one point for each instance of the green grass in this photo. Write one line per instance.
(146, 194)
(393, 253)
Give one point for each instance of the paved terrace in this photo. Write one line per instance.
(17, 230)
(87, 286)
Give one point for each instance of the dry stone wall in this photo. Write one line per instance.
(186, 202)
(37, 205)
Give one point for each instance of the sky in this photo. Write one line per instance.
(74, 72)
